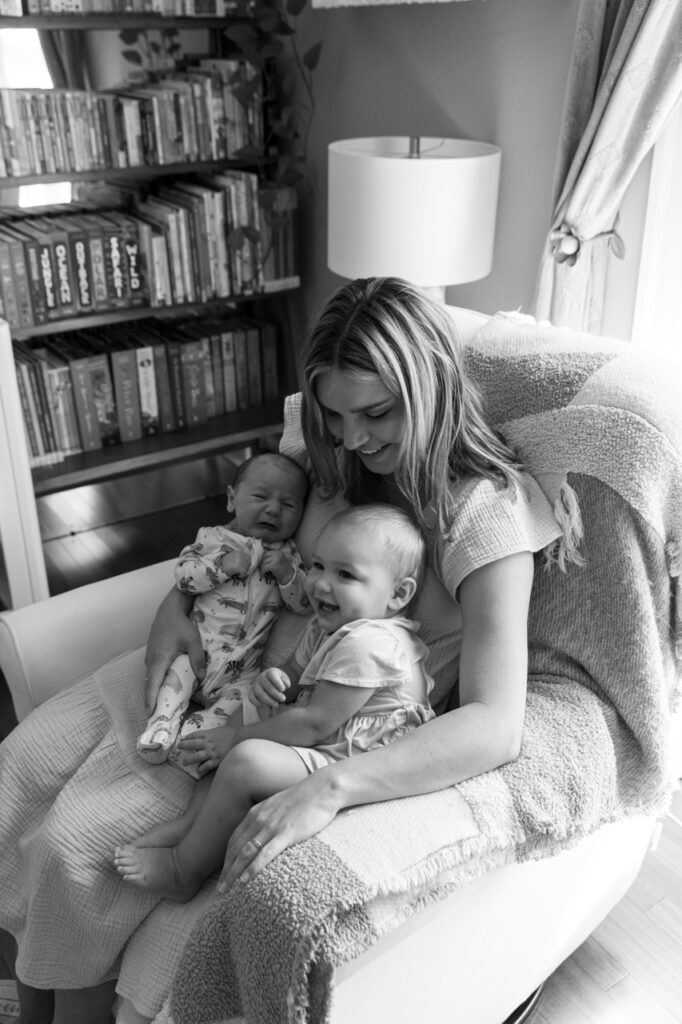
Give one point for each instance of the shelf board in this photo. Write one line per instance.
(232, 430)
(115, 22)
(212, 307)
(141, 172)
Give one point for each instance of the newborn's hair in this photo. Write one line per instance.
(395, 530)
(275, 459)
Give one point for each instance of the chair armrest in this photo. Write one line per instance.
(48, 645)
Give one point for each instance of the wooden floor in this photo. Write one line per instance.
(91, 533)
(629, 971)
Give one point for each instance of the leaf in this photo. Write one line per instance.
(132, 56)
(312, 56)
(129, 36)
(294, 7)
(244, 36)
(253, 234)
(268, 20)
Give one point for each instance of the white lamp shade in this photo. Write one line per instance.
(430, 220)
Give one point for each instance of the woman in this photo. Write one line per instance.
(388, 415)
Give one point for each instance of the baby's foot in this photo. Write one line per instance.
(155, 742)
(168, 833)
(154, 869)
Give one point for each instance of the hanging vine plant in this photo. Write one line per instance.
(268, 41)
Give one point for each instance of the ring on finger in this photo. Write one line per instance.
(257, 844)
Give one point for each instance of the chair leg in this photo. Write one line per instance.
(523, 1012)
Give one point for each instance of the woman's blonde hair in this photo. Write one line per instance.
(389, 328)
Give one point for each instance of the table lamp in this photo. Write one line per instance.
(419, 208)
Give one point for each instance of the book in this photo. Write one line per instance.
(59, 388)
(46, 265)
(149, 404)
(83, 394)
(64, 276)
(173, 346)
(115, 263)
(278, 223)
(217, 367)
(253, 361)
(192, 362)
(241, 370)
(20, 274)
(103, 391)
(167, 420)
(198, 244)
(229, 369)
(153, 235)
(164, 216)
(81, 262)
(39, 398)
(270, 362)
(30, 418)
(135, 261)
(94, 241)
(7, 288)
(126, 393)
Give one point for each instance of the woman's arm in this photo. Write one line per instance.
(484, 732)
(171, 633)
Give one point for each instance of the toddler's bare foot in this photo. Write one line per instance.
(154, 869)
(169, 833)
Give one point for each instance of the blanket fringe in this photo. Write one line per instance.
(567, 511)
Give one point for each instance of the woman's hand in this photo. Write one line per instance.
(207, 747)
(269, 688)
(172, 633)
(278, 822)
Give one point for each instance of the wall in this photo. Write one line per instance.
(493, 71)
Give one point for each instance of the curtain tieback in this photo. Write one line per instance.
(565, 243)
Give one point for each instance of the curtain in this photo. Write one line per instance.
(625, 80)
(66, 58)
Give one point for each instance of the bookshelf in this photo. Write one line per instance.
(28, 476)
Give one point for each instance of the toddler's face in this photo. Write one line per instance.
(350, 577)
(268, 502)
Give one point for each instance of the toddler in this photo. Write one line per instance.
(239, 575)
(355, 682)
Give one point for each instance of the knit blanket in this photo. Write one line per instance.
(600, 425)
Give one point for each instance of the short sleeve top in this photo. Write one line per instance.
(490, 522)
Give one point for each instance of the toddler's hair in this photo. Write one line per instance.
(275, 459)
(396, 530)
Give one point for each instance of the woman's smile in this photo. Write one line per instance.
(365, 416)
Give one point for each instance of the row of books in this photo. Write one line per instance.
(164, 8)
(211, 111)
(85, 390)
(192, 241)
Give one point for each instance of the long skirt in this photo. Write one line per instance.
(73, 788)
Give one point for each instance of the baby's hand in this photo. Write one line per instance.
(269, 688)
(208, 747)
(235, 563)
(280, 567)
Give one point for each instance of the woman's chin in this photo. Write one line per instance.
(382, 462)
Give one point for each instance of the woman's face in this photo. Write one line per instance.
(364, 415)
